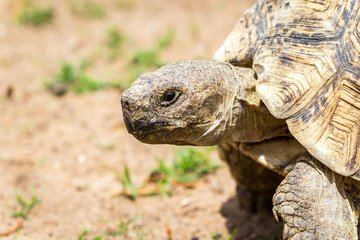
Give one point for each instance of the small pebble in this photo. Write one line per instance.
(81, 158)
(72, 44)
(9, 92)
(58, 89)
(185, 202)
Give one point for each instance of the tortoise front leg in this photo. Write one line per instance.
(255, 183)
(312, 202)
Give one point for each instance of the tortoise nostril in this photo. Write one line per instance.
(127, 104)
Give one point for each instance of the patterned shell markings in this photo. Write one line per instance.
(308, 67)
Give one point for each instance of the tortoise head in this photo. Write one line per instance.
(185, 103)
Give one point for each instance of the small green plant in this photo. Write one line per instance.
(33, 14)
(25, 206)
(73, 77)
(114, 41)
(215, 236)
(126, 182)
(42, 162)
(188, 165)
(87, 8)
(107, 146)
(100, 236)
(123, 226)
(164, 41)
(114, 38)
(82, 234)
(85, 232)
(144, 59)
(66, 73)
(148, 59)
(85, 83)
(122, 229)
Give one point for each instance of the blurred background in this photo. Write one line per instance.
(68, 167)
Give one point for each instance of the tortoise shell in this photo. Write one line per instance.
(306, 54)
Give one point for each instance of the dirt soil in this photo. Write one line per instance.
(58, 148)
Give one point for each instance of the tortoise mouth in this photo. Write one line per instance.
(143, 125)
(153, 131)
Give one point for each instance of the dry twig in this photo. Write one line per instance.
(168, 231)
(18, 226)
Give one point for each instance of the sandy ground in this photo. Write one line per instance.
(57, 147)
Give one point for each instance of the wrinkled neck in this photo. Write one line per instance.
(255, 125)
(242, 118)
(225, 123)
(252, 122)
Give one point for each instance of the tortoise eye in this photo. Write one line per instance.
(170, 97)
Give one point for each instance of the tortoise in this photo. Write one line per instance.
(282, 90)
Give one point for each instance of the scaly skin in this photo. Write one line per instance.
(314, 203)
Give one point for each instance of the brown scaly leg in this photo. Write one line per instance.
(314, 203)
(255, 183)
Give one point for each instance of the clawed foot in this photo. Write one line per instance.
(312, 203)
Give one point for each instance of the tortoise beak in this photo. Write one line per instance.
(129, 109)
(129, 126)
